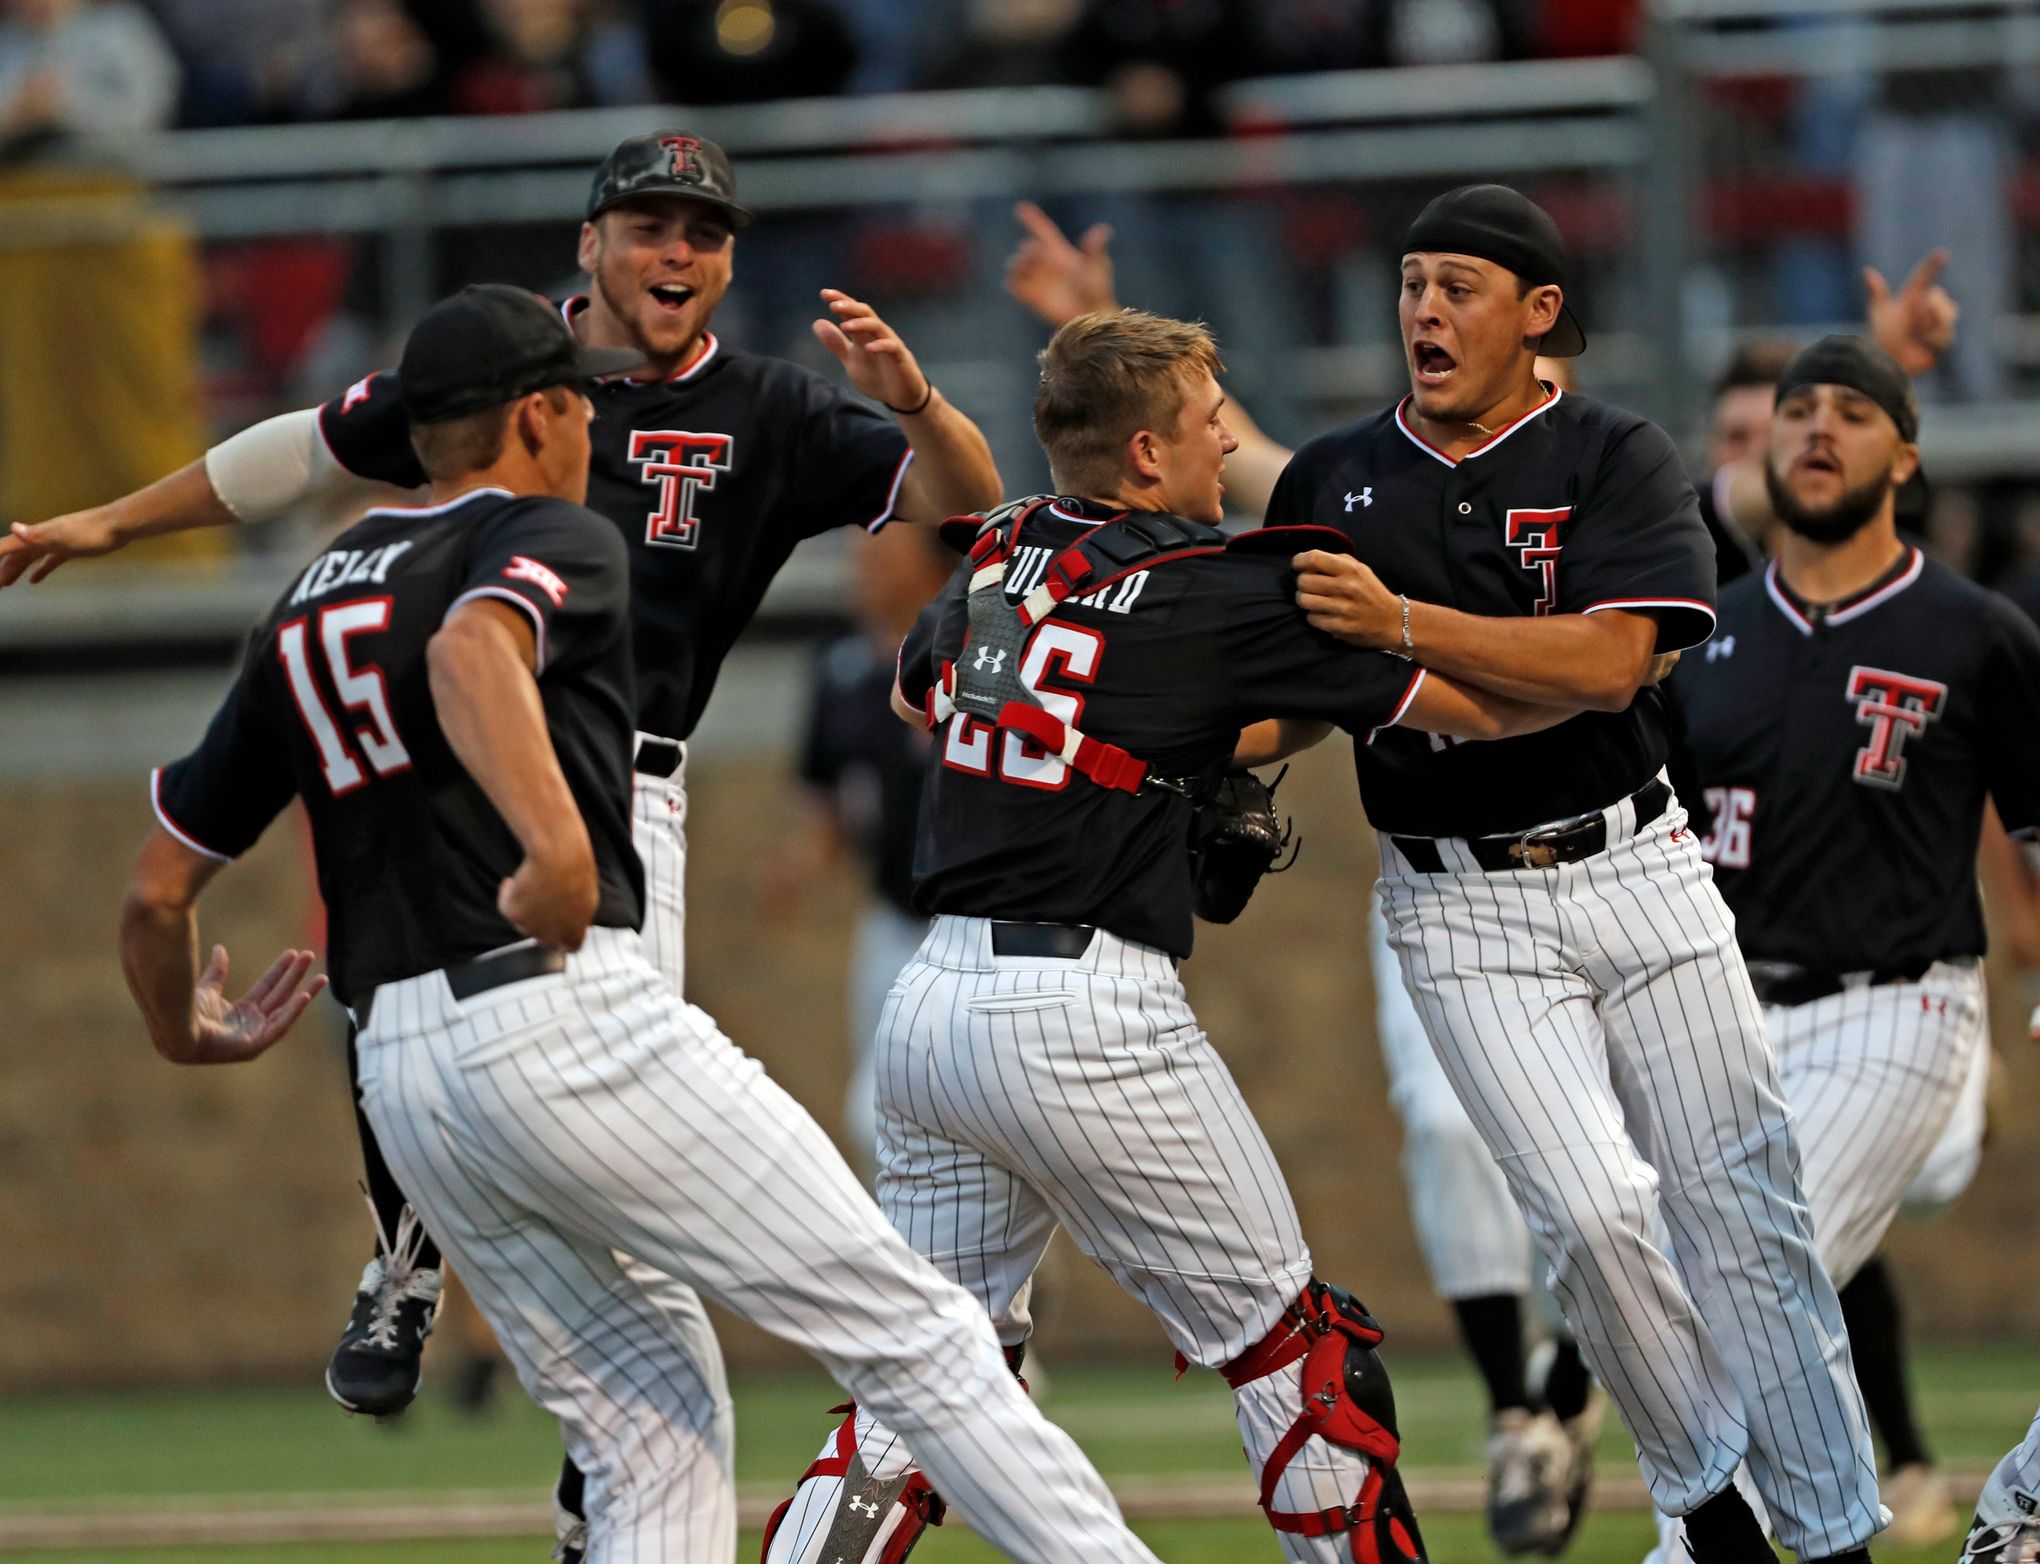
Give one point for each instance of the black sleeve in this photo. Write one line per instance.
(851, 459)
(1289, 501)
(368, 434)
(937, 628)
(1281, 667)
(219, 799)
(2009, 723)
(562, 564)
(1636, 541)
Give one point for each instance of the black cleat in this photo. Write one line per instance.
(376, 1367)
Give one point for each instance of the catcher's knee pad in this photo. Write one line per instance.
(1347, 1401)
(840, 1512)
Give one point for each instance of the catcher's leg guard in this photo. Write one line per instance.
(844, 1513)
(1348, 1403)
(841, 1511)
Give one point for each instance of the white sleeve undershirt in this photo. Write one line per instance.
(273, 467)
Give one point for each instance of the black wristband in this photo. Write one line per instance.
(919, 407)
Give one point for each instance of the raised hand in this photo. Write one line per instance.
(1054, 278)
(231, 1032)
(1915, 325)
(878, 362)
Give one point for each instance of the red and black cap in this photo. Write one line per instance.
(490, 344)
(667, 163)
(1496, 223)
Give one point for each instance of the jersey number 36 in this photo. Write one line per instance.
(360, 689)
(1063, 650)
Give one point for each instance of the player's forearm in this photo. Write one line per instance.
(159, 959)
(177, 503)
(1264, 743)
(953, 472)
(489, 708)
(1593, 662)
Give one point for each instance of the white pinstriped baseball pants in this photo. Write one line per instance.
(548, 1129)
(1597, 1022)
(1016, 1093)
(658, 829)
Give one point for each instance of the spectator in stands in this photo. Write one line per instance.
(552, 54)
(81, 68)
(1008, 43)
(244, 61)
(1162, 60)
(381, 66)
(747, 51)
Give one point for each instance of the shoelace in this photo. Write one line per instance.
(1987, 1541)
(400, 1262)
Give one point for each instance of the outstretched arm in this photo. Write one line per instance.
(189, 1017)
(1059, 281)
(953, 472)
(256, 475)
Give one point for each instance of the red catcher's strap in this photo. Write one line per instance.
(1105, 764)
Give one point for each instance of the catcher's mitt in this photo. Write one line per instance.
(1234, 840)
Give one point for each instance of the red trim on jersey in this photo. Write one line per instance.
(523, 602)
(892, 495)
(1402, 706)
(1491, 441)
(176, 830)
(571, 307)
(1850, 609)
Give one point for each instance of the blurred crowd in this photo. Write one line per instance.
(75, 66)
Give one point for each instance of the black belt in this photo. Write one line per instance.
(1788, 983)
(1540, 847)
(658, 757)
(1055, 941)
(469, 978)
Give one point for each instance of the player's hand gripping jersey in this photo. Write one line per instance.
(1576, 508)
(712, 477)
(1160, 668)
(334, 704)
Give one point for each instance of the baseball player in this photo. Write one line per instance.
(1038, 1063)
(1856, 707)
(1574, 967)
(449, 689)
(713, 463)
(1544, 1413)
(2007, 1525)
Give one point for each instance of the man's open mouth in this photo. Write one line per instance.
(1433, 364)
(671, 295)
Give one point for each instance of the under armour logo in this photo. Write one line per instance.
(1723, 646)
(1364, 497)
(990, 660)
(867, 1507)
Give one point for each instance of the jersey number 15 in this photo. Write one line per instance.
(360, 690)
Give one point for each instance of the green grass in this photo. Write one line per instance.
(265, 1445)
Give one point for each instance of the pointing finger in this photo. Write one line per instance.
(1923, 275)
(1874, 283)
(1039, 223)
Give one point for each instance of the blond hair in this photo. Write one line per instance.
(1106, 376)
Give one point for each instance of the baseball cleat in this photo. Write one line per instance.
(376, 1367)
(1529, 1461)
(1582, 1433)
(1922, 1513)
(2007, 1525)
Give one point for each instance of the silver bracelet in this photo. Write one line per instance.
(1409, 647)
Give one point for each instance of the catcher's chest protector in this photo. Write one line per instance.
(983, 680)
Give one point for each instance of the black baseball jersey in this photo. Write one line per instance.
(869, 763)
(1844, 757)
(1169, 664)
(713, 476)
(1575, 508)
(333, 704)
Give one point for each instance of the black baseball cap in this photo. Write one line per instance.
(1495, 223)
(668, 163)
(490, 344)
(1861, 366)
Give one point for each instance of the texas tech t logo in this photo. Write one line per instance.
(1533, 534)
(680, 152)
(682, 464)
(1893, 706)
